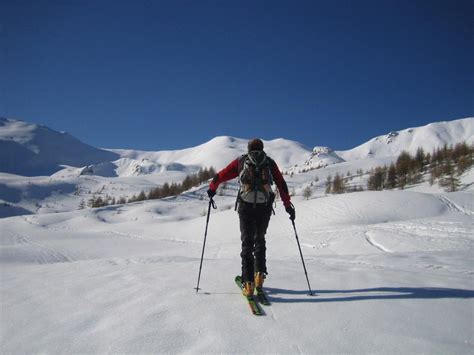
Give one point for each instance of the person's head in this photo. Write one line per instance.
(255, 144)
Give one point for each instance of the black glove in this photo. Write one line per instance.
(211, 193)
(291, 211)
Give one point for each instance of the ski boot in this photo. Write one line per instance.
(248, 288)
(259, 278)
(262, 298)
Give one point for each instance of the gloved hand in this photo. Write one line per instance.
(291, 211)
(211, 193)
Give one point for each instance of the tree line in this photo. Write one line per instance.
(339, 184)
(166, 190)
(444, 165)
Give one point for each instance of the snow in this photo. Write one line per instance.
(392, 271)
(33, 150)
(219, 151)
(429, 137)
(321, 157)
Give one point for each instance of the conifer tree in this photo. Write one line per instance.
(420, 158)
(392, 176)
(141, 196)
(165, 190)
(338, 185)
(376, 180)
(307, 192)
(403, 166)
(450, 181)
(328, 184)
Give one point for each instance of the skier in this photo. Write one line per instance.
(256, 172)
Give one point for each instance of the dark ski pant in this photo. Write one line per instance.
(253, 226)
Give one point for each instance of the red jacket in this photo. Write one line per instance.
(231, 171)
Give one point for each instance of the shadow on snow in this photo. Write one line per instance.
(277, 295)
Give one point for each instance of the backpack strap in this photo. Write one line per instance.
(240, 167)
(241, 162)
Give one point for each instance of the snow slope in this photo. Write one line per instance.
(392, 272)
(29, 149)
(220, 151)
(320, 157)
(128, 172)
(32, 150)
(429, 137)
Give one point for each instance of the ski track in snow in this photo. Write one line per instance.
(453, 206)
(43, 254)
(372, 242)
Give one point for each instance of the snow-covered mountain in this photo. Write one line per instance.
(33, 150)
(428, 137)
(220, 151)
(125, 167)
(76, 171)
(320, 157)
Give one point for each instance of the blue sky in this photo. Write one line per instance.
(157, 75)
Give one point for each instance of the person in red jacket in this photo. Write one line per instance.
(256, 172)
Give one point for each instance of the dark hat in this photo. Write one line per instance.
(255, 144)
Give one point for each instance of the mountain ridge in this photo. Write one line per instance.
(32, 150)
(429, 137)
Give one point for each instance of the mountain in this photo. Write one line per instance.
(132, 167)
(32, 150)
(55, 172)
(429, 137)
(320, 157)
(220, 151)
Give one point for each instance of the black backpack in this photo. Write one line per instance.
(255, 178)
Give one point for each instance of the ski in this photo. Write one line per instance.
(262, 297)
(254, 308)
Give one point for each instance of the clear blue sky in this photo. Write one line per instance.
(171, 74)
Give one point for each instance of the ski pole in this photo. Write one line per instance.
(304, 267)
(213, 204)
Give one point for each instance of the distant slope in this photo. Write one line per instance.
(429, 137)
(220, 151)
(321, 157)
(130, 167)
(32, 150)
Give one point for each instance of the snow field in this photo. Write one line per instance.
(392, 273)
